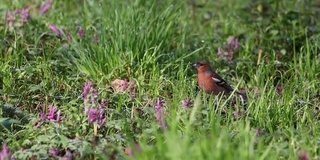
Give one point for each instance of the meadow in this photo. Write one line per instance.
(83, 79)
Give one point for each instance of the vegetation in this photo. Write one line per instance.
(114, 79)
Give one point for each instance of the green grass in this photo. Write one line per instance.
(154, 44)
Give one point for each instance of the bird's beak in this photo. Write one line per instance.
(195, 65)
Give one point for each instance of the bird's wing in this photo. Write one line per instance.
(221, 82)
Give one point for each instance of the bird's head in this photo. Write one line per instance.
(202, 66)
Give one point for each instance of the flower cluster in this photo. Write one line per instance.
(24, 14)
(187, 103)
(95, 112)
(53, 116)
(232, 45)
(160, 114)
(58, 153)
(45, 7)
(89, 93)
(123, 86)
(55, 30)
(81, 33)
(5, 153)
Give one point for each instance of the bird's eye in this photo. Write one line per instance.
(200, 64)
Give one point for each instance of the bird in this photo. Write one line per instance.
(212, 83)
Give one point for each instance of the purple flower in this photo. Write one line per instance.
(68, 156)
(233, 43)
(11, 19)
(97, 114)
(280, 90)
(51, 112)
(58, 116)
(220, 52)
(125, 85)
(39, 124)
(53, 115)
(303, 155)
(54, 152)
(187, 103)
(160, 115)
(122, 85)
(5, 153)
(93, 115)
(42, 119)
(89, 92)
(43, 116)
(132, 86)
(104, 103)
(102, 118)
(24, 15)
(55, 30)
(81, 33)
(45, 7)
(258, 132)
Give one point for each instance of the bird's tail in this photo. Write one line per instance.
(244, 98)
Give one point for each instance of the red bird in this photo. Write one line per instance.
(212, 83)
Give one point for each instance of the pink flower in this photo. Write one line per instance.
(187, 103)
(258, 132)
(24, 15)
(68, 156)
(303, 155)
(54, 115)
(45, 7)
(51, 112)
(97, 114)
(81, 33)
(233, 43)
(88, 89)
(279, 90)
(42, 119)
(89, 92)
(11, 19)
(104, 103)
(220, 52)
(132, 88)
(160, 115)
(55, 30)
(58, 116)
(122, 86)
(54, 152)
(43, 116)
(5, 153)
